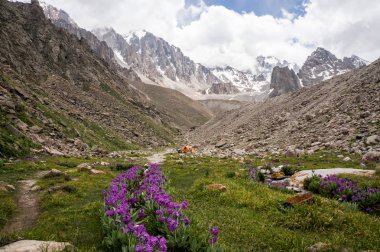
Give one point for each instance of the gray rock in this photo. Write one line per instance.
(52, 173)
(372, 156)
(320, 246)
(37, 246)
(346, 159)
(36, 129)
(220, 144)
(284, 80)
(373, 140)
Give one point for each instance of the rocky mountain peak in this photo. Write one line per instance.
(158, 62)
(322, 65)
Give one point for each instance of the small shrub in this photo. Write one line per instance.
(67, 164)
(230, 174)
(123, 167)
(260, 177)
(312, 184)
(288, 170)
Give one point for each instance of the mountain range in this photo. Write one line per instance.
(154, 61)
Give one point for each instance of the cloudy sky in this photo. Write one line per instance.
(234, 32)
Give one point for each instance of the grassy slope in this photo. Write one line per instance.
(248, 214)
(72, 215)
(13, 145)
(251, 219)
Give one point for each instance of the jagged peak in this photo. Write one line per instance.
(322, 51)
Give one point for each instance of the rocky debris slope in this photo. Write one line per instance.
(341, 113)
(322, 65)
(222, 88)
(56, 92)
(283, 81)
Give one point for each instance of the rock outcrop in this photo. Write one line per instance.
(283, 81)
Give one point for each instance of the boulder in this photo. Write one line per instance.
(305, 198)
(10, 187)
(298, 178)
(372, 156)
(53, 151)
(346, 159)
(36, 129)
(220, 144)
(320, 246)
(217, 187)
(290, 152)
(52, 173)
(84, 167)
(96, 172)
(37, 246)
(278, 175)
(372, 140)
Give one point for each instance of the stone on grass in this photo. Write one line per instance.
(84, 165)
(37, 246)
(53, 173)
(298, 178)
(320, 246)
(346, 159)
(217, 187)
(305, 198)
(35, 188)
(372, 156)
(96, 172)
(278, 175)
(10, 187)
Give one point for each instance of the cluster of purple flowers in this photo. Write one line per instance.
(253, 173)
(137, 194)
(348, 190)
(214, 231)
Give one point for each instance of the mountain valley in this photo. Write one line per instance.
(118, 141)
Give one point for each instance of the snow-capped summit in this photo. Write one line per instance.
(158, 62)
(322, 65)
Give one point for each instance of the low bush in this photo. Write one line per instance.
(123, 167)
(288, 170)
(230, 174)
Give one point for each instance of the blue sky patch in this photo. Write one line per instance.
(260, 7)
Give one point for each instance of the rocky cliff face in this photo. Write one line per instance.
(61, 19)
(157, 60)
(283, 81)
(322, 65)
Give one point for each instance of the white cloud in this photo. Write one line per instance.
(214, 35)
